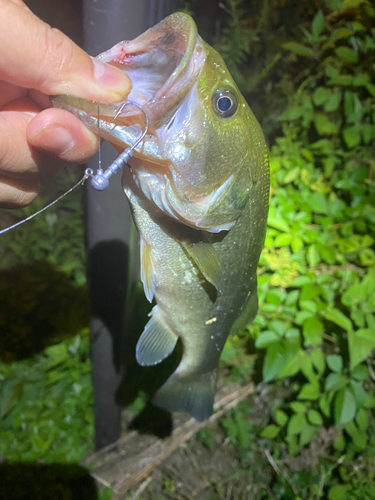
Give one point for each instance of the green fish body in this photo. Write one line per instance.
(198, 188)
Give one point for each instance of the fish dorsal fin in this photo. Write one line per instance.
(147, 272)
(156, 342)
(205, 258)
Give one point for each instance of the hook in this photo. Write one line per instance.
(100, 180)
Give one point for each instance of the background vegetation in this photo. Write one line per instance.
(307, 70)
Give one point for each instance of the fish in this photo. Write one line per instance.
(198, 187)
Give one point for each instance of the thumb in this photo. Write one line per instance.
(33, 55)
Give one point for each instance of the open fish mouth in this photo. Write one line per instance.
(163, 64)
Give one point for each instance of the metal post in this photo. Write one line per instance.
(107, 22)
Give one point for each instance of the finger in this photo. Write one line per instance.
(17, 193)
(17, 157)
(58, 132)
(34, 55)
(9, 93)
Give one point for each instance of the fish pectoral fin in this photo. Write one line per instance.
(148, 276)
(205, 258)
(156, 342)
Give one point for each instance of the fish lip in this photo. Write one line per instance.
(160, 104)
(177, 38)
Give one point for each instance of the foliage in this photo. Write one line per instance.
(45, 405)
(55, 236)
(317, 278)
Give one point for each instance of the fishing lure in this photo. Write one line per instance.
(100, 180)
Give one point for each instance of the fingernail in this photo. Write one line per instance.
(111, 78)
(53, 138)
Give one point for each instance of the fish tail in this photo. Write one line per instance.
(192, 393)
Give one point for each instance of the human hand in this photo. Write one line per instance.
(37, 61)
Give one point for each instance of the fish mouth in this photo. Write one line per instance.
(163, 64)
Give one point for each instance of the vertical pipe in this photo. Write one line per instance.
(105, 23)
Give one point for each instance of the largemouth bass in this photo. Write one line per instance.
(198, 187)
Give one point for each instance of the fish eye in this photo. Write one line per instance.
(224, 103)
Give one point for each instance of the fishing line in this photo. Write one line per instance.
(100, 180)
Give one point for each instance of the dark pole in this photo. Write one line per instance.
(109, 226)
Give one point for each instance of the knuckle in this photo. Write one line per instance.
(59, 53)
(5, 144)
(14, 195)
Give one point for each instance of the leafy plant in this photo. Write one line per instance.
(56, 236)
(317, 281)
(46, 405)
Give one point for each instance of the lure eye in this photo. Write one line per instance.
(224, 103)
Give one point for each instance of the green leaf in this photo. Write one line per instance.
(292, 113)
(361, 343)
(367, 257)
(360, 440)
(292, 298)
(327, 253)
(307, 434)
(344, 407)
(297, 244)
(9, 396)
(362, 419)
(333, 102)
(274, 362)
(298, 49)
(292, 175)
(347, 54)
(353, 107)
(337, 34)
(308, 306)
(300, 281)
(338, 492)
(296, 423)
(278, 326)
(283, 240)
(309, 292)
(360, 373)
(278, 223)
(344, 80)
(371, 89)
(368, 133)
(369, 401)
(324, 126)
(361, 80)
(358, 392)
(270, 432)
(337, 317)
(325, 406)
(314, 417)
(309, 391)
(335, 381)
(321, 95)
(334, 361)
(281, 417)
(339, 443)
(317, 24)
(298, 407)
(312, 331)
(335, 4)
(317, 358)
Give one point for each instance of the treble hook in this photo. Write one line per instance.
(100, 180)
